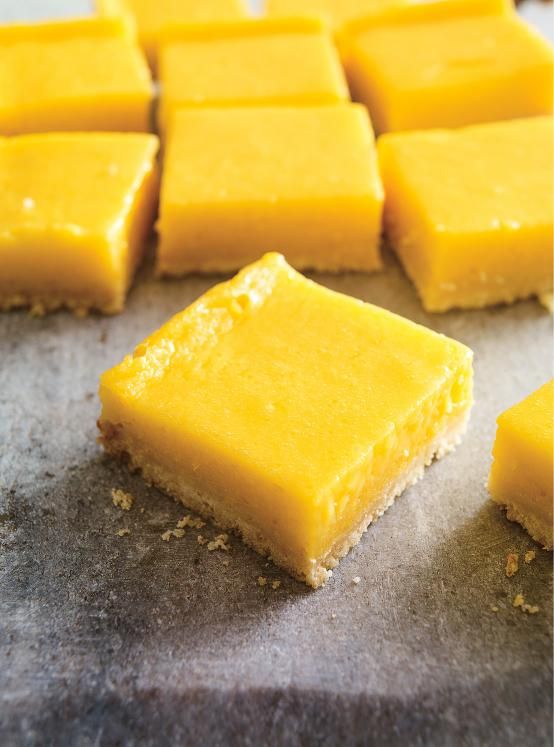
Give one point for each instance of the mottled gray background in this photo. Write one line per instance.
(109, 640)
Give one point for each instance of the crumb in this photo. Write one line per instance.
(333, 616)
(190, 521)
(142, 510)
(123, 532)
(530, 555)
(122, 500)
(512, 564)
(494, 608)
(49, 474)
(275, 584)
(531, 609)
(519, 601)
(201, 540)
(262, 581)
(225, 562)
(356, 580)
(219, 543)
(177, 533)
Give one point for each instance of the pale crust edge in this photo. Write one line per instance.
(540, 531)
(318, 570)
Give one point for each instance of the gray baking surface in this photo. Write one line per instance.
(131, 640)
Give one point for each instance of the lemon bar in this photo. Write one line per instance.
(288, 412)
(75, 212)
(304, 181)
(249, 63)
(339, 14)
(469, 212)
(152, 17)
(73, 75)
(451, 73)
(523, 467)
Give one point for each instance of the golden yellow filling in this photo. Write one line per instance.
(290, 412)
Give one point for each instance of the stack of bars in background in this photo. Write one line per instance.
(264, 149)
(267, 129)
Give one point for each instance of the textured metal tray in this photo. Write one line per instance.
(132, 640)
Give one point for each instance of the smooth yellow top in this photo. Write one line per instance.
(79, 184)
(278, 154)
(338, 13)
(74, 67)
(251, 63)
(491, 177)
(291, 380)
(154, 16)
(529, 426)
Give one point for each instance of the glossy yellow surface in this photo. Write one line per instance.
(74, 215)
(251, 63)
(469, 212)
(72, 75)
(237, 181)
(451, 73)
(294, 405)
(522, 471)
(154, 16)
(339, 13)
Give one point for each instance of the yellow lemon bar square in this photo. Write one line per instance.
(250, 63)
(75, 212)
(451, 73)
(287, 411)
(302, 181)
(523, 467)
(74, 75)
(469, 212)
(340, 13)
(152, 17)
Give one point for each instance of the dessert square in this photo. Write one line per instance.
(303, 181)
(288, 412)
(76, 210)
(451, 73)
(72, 75)
(249, 63)
(469, 212)
(522, 471)
(154, 16)
(339, 13)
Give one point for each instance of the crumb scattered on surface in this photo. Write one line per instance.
(122, 500)
(142, 510)
(219, 543)
(262, 581)
(519, 601)
(356, 580)
(512, 564)
(123, 532)
(190, 521)
(530, 555)
(530, 609)
(225, 562)
(333, 616)
(177, 533)
(494, 608)
(275, 584)
(201, 540)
